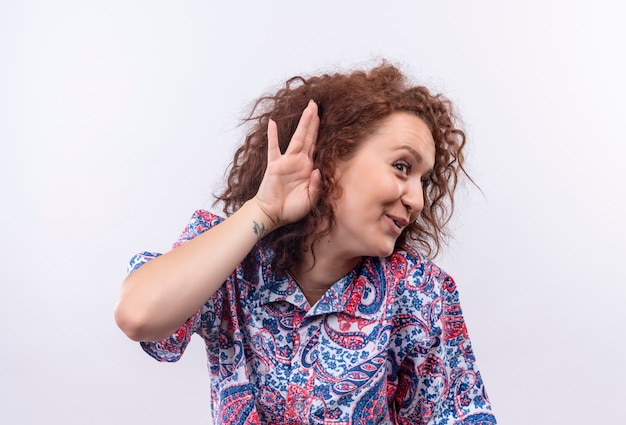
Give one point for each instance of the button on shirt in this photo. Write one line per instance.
(386, 344)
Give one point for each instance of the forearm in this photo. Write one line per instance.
(159, 296)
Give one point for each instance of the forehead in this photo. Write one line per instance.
(403, 131)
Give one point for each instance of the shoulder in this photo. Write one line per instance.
(421, 288)
(200, 222)
(415, 272)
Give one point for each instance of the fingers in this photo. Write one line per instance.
(315, 184)
(303, 139)
(306, 133)
(273, 149)
(311, 137)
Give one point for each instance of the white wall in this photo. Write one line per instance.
(117, 119)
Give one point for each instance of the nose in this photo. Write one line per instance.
(413, 199)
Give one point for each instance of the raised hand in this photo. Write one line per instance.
(161, 295)
(290, 185)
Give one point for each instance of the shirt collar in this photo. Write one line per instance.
(273, 289)
(357, 294)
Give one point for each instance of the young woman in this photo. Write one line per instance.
(315, 296)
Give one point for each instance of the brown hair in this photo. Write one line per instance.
(350, 107)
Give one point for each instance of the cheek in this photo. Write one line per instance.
(388, 188)
(350, 206)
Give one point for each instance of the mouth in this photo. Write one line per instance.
(398, 222)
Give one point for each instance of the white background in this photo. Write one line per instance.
(118, 118)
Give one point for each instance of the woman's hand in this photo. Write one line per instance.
(161, 295)
(290, 185)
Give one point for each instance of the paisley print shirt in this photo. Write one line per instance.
(387, 344)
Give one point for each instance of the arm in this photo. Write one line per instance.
(161, 295)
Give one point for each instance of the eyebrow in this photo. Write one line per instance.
(415, 154)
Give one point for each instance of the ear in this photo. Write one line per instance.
(335, 186)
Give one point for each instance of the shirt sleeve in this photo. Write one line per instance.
(172, 348)
(438, 383)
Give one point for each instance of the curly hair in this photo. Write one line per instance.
(350, 106)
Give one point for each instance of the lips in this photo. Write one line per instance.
(398, 222)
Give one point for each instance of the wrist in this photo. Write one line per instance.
(262, 222)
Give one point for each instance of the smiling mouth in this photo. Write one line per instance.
(399, 222)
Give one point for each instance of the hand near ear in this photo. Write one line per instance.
(290, 185)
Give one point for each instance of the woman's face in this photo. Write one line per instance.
(382, 187)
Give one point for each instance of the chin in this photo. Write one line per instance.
(384, 251)
(379, 248)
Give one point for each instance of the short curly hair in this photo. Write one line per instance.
(350, 106)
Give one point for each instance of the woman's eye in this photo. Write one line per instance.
(402, 167)
(425, 182)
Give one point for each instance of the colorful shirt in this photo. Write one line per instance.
(386, 344)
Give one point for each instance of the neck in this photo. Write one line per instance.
(316, 275)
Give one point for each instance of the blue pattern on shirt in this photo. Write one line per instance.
(386, 344)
